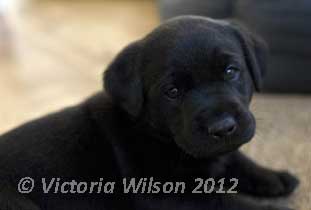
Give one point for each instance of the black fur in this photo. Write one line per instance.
(170, 112)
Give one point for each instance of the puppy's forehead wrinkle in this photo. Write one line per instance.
(206, 65)
(197, 51)
(192, 43)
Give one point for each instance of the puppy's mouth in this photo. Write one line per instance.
(206, 150)
(205, 146)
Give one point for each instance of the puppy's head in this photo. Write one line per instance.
(192, 80)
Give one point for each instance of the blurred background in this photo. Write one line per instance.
(53, 53)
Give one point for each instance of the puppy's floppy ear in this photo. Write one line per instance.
(122, 79)
(255, 51)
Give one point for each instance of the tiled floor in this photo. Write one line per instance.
(53, 53)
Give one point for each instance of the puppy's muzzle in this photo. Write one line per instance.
(223, 127)
(219, 126)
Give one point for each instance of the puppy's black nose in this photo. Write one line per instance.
(222, 127)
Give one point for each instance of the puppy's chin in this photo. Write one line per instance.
(208, 148)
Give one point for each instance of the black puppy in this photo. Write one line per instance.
(176, 108)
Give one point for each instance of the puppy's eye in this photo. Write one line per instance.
(231, 73)
(172, 92)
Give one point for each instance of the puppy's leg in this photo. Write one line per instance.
(257, 180)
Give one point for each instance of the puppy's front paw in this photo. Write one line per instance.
(275, 184)
(289, 182)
